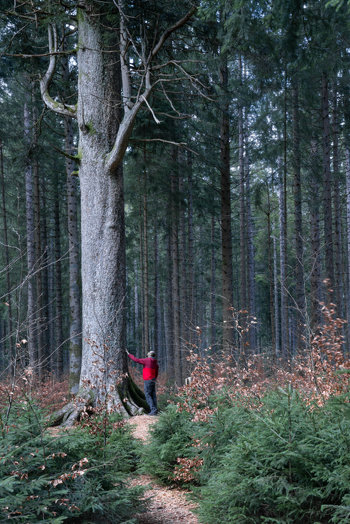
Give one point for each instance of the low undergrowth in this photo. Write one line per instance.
(74, 476)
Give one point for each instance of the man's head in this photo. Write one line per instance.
(151, 354)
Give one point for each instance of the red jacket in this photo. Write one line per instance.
(150, 367)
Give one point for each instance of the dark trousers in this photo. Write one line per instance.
(150, 394)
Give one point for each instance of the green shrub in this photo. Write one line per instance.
(171, 437)
(282, 463)
(76, 475)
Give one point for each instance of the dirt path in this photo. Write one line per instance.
(167, 506)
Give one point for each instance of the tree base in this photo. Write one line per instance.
(129, 401)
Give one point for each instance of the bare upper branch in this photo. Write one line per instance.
(58, 107)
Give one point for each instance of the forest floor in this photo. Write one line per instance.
(167, 505)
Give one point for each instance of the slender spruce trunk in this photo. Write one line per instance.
(11, 339)
(250, 259)
(225, 189)
(276, 300)
(175, 267)
(283, 269)
(314, 207)
(338, 241)
(327, 184)
(30, 228)
(145, 280)
(300, 304)
(213, 286)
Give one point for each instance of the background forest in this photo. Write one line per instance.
(236, 185)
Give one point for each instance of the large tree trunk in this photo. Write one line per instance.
(104, 360)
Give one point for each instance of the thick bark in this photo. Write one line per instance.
(298, 225)
(226, 236)
(102, 214)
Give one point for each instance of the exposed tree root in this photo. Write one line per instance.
(129, 401)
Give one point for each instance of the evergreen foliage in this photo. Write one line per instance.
(77, 475)
(282, 462)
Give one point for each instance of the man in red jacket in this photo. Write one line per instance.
(150, 374)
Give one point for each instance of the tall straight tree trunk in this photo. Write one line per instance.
(51, 301)
(213, 287)
(283, 270)
(225, 189)
(190, 256)
(338, 254)
(327, 183)
(250, 259)
(182, 272)
(347, 153)
(136, 305)
(298, 224)
(102, 210)
(145, 293)
(270, 261)
(40, 321)
(175, 268)
(242, 213)
(75, 322)
(44, 273)
(169, 316)
(157, 305)
(30, 227)
(276, 301)
(315, 276)
(11, 340)
(58, 287)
